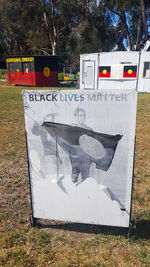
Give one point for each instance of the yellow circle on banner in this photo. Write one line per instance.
(130, 71)
(17, 70)
(104, 71)
(46, 72)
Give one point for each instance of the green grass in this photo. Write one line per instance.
(70, 244)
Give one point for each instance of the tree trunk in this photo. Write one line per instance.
(139, 32)
(123, 20)
(51, 28)
(142, 22)
(53, 45)
(53, 32)
(142, 4)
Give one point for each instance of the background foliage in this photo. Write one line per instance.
(70, 27)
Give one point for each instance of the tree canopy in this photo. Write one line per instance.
(68, 28)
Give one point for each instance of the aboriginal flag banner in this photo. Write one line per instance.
(129, 71)
(105, 72)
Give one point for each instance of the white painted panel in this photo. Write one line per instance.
(81, 146)
(115, 58)
(144, 78)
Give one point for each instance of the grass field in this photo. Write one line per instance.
(66, 244)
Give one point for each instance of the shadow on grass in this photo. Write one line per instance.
(141, 229)
(61, 85)
(138, 230)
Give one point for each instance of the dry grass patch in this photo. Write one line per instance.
(64, 244)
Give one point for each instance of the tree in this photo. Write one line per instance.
(93, 33)
(120, 9)
(71, 27)
(131, 20)
(142, 29)
(60, 17)
(13, 23)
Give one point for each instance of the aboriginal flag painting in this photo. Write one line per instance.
(105, 72)
(32, 71)
(129, 71)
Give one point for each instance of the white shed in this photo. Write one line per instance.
(144, 73)
(115, 70)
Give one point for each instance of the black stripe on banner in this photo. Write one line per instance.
(108, 68)
(133, 68)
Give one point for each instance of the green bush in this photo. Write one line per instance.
(73, 76)
(3, 73)
(60, 76)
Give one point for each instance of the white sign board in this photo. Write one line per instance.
(81, 150)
